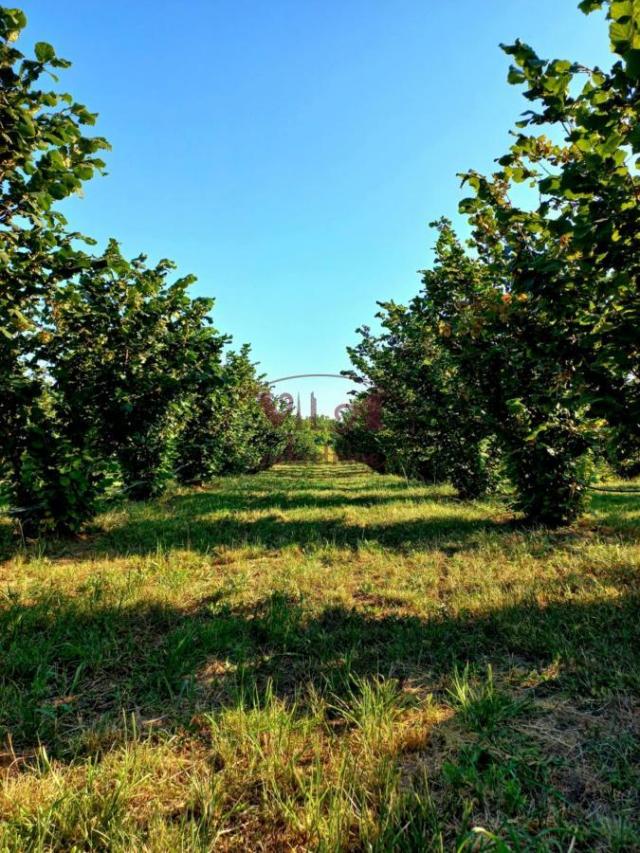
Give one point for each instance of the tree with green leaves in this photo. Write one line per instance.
(532, 335)
(45, 156)
(230, 425)
(95, 352)
(359, 433)
(126, 346)
(307, 439)
(555, 342)
(432, 424)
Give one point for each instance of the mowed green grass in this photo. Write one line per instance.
(322, 658)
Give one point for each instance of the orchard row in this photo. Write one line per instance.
(112, 378)
(520, 357)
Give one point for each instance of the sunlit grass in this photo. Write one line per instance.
(319, 657)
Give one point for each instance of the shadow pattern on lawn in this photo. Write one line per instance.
(71, 666)
(211, 518)
(273, 532)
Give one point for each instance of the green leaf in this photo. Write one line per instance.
(632, 64)
(621, 9)
(44, 51)
(634, 139)
(85, 173)
(588, 6)
(11, 22)
(621, 32)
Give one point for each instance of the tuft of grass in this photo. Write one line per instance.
(482, 707)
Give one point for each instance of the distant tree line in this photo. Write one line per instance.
(521, 353)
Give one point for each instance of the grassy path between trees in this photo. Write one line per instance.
(319, 657)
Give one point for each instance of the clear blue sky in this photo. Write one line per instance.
(290, 153)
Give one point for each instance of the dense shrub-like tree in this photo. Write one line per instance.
(230, 425)
(307, 439)
(95, 352)
(432, 426)
(45, 156)
(540, 321)
(522, 390)
(622, 452)
(562, 352)
(126, 347)
(360, 436)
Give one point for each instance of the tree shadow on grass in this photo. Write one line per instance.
(274, 532)
(205, 502)
(7, 539)
(186, 519)
(74, 667)
(617, 513)
(189, 521)
(219, 516)
(210, 520)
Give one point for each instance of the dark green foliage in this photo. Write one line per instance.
(95, 352)
(532, 336)
(430, 423)
(126, 347)
(551, 477)
(568, 268)
(359, 434)
(231, 425)
(623, 453)
(45, 157)
(519, 378)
